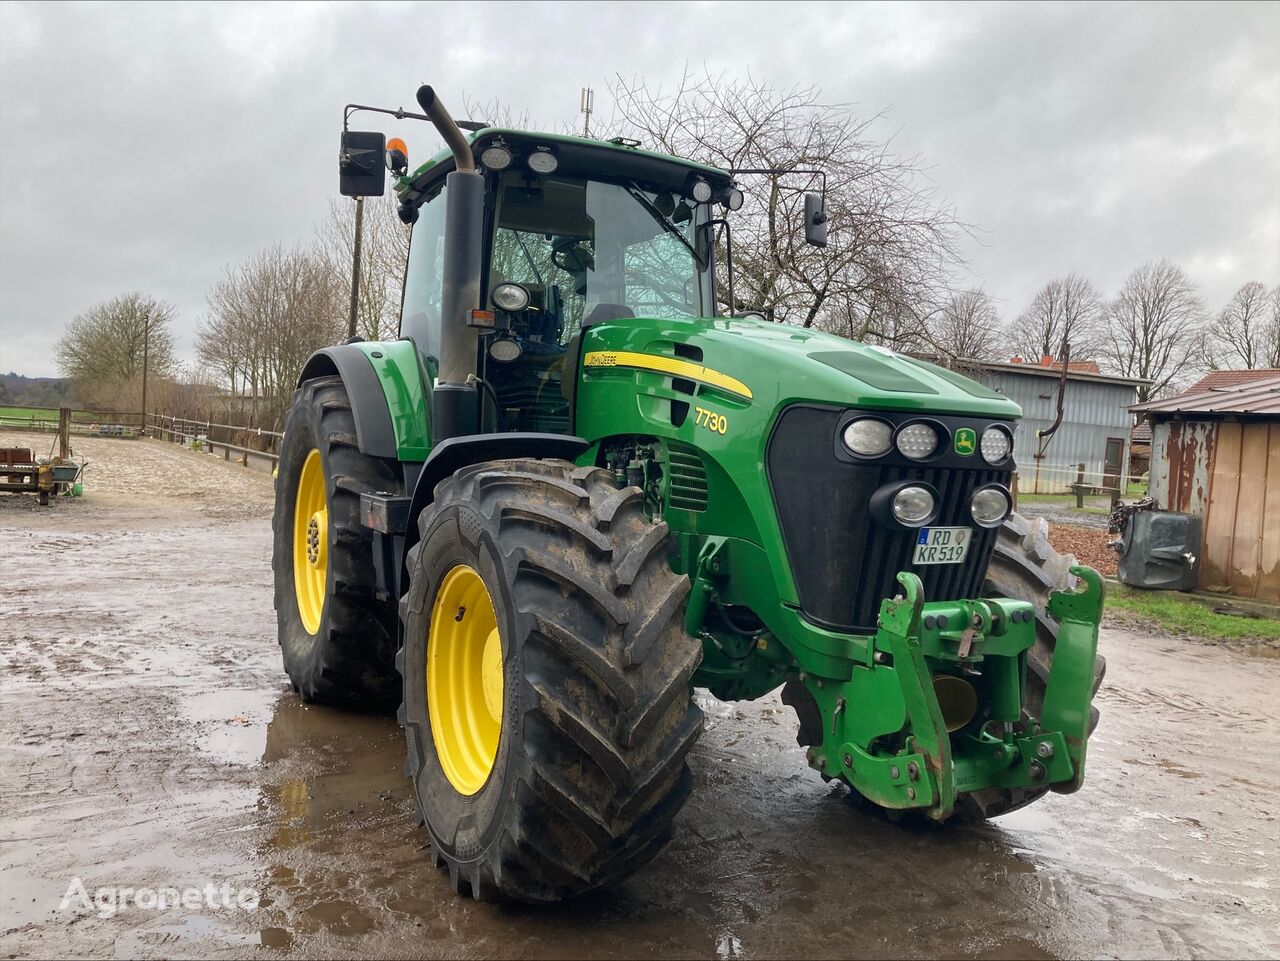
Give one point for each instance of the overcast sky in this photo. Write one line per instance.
(145, 146)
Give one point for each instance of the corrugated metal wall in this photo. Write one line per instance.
(1092, 412)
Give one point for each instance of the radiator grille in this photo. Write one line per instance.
(688, 480)
(842, 560)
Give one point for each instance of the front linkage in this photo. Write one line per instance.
(939, 713)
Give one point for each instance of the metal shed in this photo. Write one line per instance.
(1095, 422)
(1215, 453)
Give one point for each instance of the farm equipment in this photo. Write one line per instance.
(21, 472)
(574, 490)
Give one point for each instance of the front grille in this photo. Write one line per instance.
(843, 561)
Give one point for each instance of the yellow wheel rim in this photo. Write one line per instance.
(464, 680)
(311, 542)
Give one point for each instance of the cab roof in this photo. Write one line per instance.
(578, 156)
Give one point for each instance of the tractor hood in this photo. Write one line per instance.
(781, 364)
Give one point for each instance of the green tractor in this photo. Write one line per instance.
(573, 491)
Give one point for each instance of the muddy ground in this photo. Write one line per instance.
(149, 738)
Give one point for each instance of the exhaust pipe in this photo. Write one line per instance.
(455, 407)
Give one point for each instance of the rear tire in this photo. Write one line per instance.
(597, 718)
(348, 659)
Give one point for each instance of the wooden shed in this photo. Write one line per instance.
(1215, 452)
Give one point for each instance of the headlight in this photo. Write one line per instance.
(510, 297)
(496, 157)
(990, 506)
(733, 199)
(913, 506)
(917, 441)
(505, 350)
(868, 436)
(543, 162)
(995, 445)
(701, 191)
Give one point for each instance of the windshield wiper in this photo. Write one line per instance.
(665, 222)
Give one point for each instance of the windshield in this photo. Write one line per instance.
(591, 249)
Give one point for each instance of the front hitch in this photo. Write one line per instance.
(887, 732)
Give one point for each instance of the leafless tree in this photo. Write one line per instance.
(102, 349)
(1246, 332)
(891, 244)
(266, 316)
(967, 327)
(1153, 328)
(1065, 310)
(384, 251)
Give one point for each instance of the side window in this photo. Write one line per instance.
(420, 308)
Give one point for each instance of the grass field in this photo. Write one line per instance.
(1191, 614)
(47, 413)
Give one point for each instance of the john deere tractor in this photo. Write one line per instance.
(574, 490)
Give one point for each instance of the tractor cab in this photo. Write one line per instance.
(575, 233)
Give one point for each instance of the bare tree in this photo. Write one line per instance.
(103, 349)
(1153, 329)
(1065, 310)
(891, 242)
(384, 251)
(967, 327)
(1246, 332)
(267, 315)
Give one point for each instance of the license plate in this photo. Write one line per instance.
(942, 545)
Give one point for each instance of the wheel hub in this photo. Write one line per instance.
(311, 543)
(464, 680)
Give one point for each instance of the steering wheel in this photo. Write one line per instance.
(572, 256)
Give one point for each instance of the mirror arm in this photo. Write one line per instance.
(728, 248)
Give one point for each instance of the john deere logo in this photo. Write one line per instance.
(966, 441)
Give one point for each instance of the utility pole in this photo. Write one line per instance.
(355, 269)
(585, 105)
(146, 343)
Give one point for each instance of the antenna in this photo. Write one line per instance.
(585, 105)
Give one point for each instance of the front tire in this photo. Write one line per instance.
(1025, 567)
(336, 636)
(581, 782)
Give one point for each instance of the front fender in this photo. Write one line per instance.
(388, 397)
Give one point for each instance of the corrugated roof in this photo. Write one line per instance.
(1260, 397)
(1216, 379)
(1036, 370)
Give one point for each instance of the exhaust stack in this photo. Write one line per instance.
(455, 408)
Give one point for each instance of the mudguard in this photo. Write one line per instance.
(388, 397)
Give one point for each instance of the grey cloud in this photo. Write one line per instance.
(145, 146)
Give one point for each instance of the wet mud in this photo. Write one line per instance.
(149, 738)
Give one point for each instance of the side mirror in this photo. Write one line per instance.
(815, 220)
(361, 164)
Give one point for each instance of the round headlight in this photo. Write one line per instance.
(701, 191)
(505, 350)
(733, 199)
(917, 441)
(913, 506)
(510, 297)
(990, 506)
(868, 436)
(995, 445)
(543, 162)
(496, 157)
